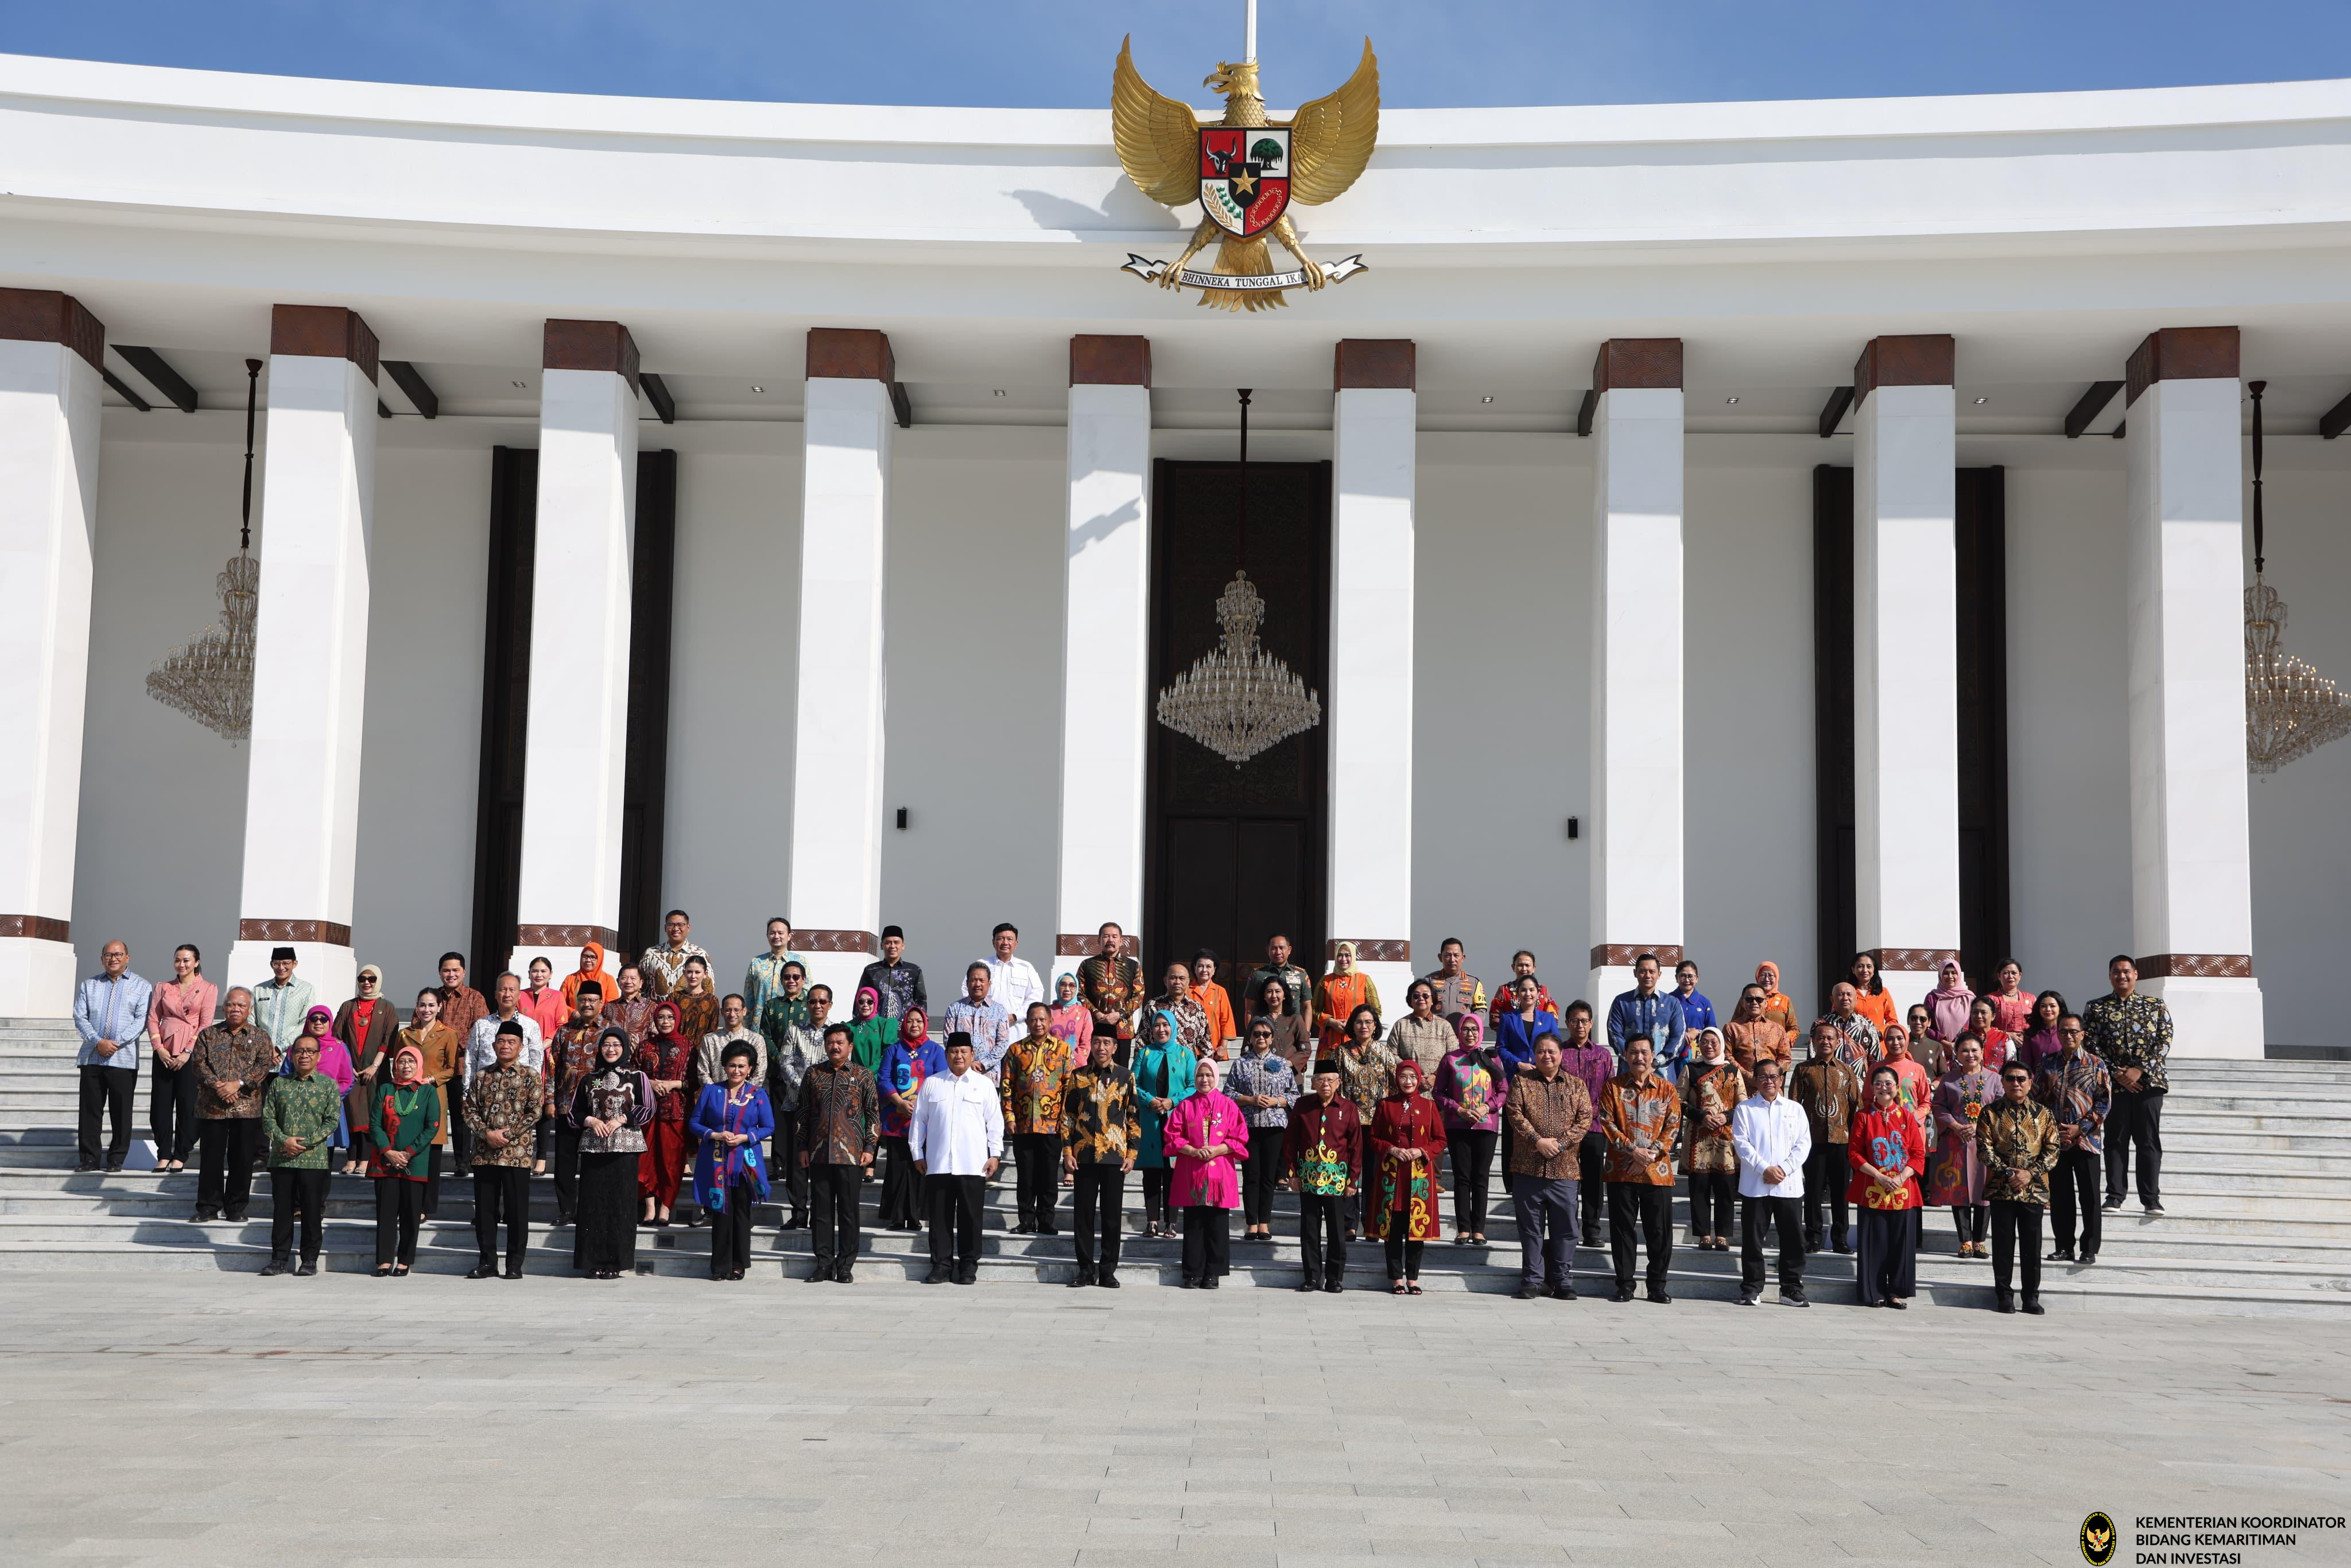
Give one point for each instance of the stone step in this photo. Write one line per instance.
(2224, 1124)
(2183, 1142)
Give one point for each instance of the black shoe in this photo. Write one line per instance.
(1563, 1293)
(513, 1271)
(1333, 1288)
(1662, 1298)
(1797, 1300)
(1107, 1281)
(90, 1169)
(114, 1170)
(1622, 1295)
(1750, 1297)
(2088, 1258)
(1309, 1287)
(1897, 1303)
(482, 1271)
(824, 1272)
(310, 1266)
(203, 1217)
(1048, 1230)
(1208, 1285)
(968, 1278)
(2032, 1305)
(1187, 1285)
(1526, 1292)
(845, 1275)
(273, 1270)
(797, 1222)
(2004, 1303)
(1591, 1238)
(937, 1277)
(236, 1217)
(2110, 1206)
(1024, 1228)
(2154, 1210)
(1082, 1279)
(1814, 1241)
(2062, 1255)
(1844, 1246)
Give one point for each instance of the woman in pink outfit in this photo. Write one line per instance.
(182, 1009)
(1207, 1137)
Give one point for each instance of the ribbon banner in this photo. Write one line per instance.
(1149, 270)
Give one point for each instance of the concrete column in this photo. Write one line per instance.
(1105, 646)
(2192, 875)
(576, 730)
(1636, 662)
(309, 676)
(1906, 674)
(836, 900)
(50, 352)
(1368, 702)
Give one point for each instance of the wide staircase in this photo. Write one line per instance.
(2257, 1182)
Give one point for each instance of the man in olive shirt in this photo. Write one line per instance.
(1550, 1111)
(297, 1121)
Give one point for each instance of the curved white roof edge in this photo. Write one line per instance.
(243, 95)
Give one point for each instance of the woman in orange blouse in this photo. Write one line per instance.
(1870, 1000)
(1341, 992)
(1215, 1003)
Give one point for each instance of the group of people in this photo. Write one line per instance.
(628, 1087)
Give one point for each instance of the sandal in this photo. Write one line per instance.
(1396, 1288)
(399, 1271)
(384, 1271)
(1412, 1288)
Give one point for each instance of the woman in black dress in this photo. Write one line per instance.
(610, 1108)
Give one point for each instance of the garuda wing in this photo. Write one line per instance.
(1330, 139)
(1158, 139)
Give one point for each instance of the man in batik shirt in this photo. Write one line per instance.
(1110, 985)
(570, 1057)
(838, 1130)
(1034, 1072)
(1642, 1116)
(663, 966)
(2017, 1137)
(898, 983)
(503, 1104)
(765, 976)
(2075, 1087)
(1856, 1038)
(1101, 1132)
(1192, 1028)
(2130, 1031)
(981, 1015)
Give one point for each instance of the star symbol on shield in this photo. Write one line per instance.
(1245, 182)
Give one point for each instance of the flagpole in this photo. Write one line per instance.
(1250, 51)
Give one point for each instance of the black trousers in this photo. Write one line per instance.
(1099, 1199)
(1826, 1175)
(1261, 1177)
(171, 1110)
(834, 1191)
(565, 1168)
(1157, 1181)
(954, 1203)
(2135, 1119)
(784, 1171)
(1207, 1243)
(1591, 1186)
(2074, 1183)
(1710, 1193)
(293, 1193)
(226, 1148)
(1754, 1214)
(502, 1192)
(730, 1232)
(1322, 1237)
(1972, 1221)
(1037, 1171)
(399, 1209)
(1404, 1256)
(1885, 1255)
(107, 1089)
(1471, 1154)
(2016, 1231)
(1638, 1213)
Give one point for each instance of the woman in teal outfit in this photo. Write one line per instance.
(1162, 1067)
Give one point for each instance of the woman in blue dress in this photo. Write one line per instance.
(732, 1121)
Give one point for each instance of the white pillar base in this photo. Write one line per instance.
(1906, 988)
(1605, 984)
(1392, 978)
(333, 972)
(837, 973)
(37, 978)
(2213, 1016)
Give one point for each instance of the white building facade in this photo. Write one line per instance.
(1701, 524)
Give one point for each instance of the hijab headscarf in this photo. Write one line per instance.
(671, 1033)
(407, 1066)
(620, 1064)
(913, 1026)
(1949, 1002)
(579, 978)
(1398, 1088)
(1711, 1032)
(334, 1056)
(1472, 1031)
(871, 1035)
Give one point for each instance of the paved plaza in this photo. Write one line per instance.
(205, 1418)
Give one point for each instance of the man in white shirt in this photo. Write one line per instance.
(1012, 980)
(956, 1137)
(482, 1046)
(1771, 1136)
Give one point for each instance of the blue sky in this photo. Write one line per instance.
(1042, 54)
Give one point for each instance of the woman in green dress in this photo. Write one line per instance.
(398, 1128)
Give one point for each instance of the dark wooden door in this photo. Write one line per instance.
(1235, 854)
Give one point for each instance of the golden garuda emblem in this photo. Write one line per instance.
(1246, 171)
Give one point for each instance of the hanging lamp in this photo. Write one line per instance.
(2291, 710)
(211, 679)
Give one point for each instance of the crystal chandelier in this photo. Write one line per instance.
(211, 679)
(1236, 699)
(2291, 709)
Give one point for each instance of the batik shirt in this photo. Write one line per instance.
(570, 1057)
(1191, 1023)
(632, 1017)
(1365, 1077)
(1831, 1098)
(221, 1053)
(2080, 1094)
(1857, 1043)
(508, 1100)
(664, 967)
(899, 984)
(990, 1027)
(305, 1108)
(2136, 1033)
(2017, 1137)
(839, 1115)
(1099, 1123)
(1267, 1074)
(1650, 1112)
(1112, 985)
(765, 979)
(1034, 1073)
